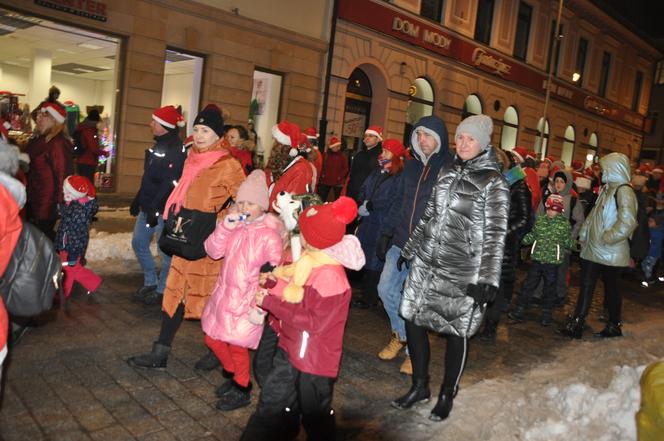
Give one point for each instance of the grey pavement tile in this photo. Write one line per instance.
(203, 389)
(137, 420)
(93, 418)
(93, 375)
(125, 375)
(222, 427)
(153, 400)
(113, 433)
(182, 425)
(194, 406)
(111, 396)
(11, 403)
(167, 384)
(180, 370)
(20, 427)
(69, 435)
(163, 435)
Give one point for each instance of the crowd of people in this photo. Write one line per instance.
(434, 234)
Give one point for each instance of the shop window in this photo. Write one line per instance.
(542, 138)
(555, 41)
(510, 129)
(484, 20)
(568, 146)
(264, 110)
(182, 84)
(420, 105)
(472, 106)
(357, 109)
(522, 34)
(592, 151)
(36, 54)
(581, 55)
(432, 9)
(638, 86)
(604, 74)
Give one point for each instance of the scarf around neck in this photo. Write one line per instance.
(195, 163)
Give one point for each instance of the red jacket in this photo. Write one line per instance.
(297, 179)
(318, 162)
(532, 180)
(244, 156)
(50, 163)
(312, 331)
(335, 169)
(90, 144)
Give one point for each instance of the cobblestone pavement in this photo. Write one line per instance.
(68, 380)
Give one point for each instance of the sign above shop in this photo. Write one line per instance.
(92, 9)
(399, 24)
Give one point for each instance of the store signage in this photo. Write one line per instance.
(92, 9)
(386, 19)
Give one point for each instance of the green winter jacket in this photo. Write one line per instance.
(551, 238)
(606, 231)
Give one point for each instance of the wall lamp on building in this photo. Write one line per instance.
(590, 157)
(402, 68)
(576, 77)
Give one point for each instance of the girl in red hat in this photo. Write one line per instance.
(335, 170)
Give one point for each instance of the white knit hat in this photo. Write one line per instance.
(479, 127)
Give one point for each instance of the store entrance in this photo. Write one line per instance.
(357, 110)
(37, 54)
(183, 73)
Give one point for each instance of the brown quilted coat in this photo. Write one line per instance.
(191, 281)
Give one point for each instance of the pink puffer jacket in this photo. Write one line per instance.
(245, 249)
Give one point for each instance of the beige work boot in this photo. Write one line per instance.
(406, 366)
(392, 349)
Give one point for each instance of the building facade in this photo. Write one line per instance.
(394, 62)
(128, 57)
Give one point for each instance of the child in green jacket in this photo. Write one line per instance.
(551, 237)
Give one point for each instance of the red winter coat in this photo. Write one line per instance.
(297, 179)
(90, 144)
(50, 163)
(10, 229)
(532, 180)
(312, 331)
(244, 156)
(335, 169)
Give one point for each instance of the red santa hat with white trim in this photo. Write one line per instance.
(77, 187)
(520, 154)
(287, 133)
(376, 131)
(169, 117)
(311, 133)
(58, 112)
(334, 141)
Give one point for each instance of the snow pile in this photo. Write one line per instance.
(116, 246)
(579, 411)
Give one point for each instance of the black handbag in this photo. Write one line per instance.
(184, 233)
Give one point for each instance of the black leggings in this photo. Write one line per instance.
(590, 272)
(455, 355)
(170, 326)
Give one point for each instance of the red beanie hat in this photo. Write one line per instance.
(287, 133)
(58, 112)
(325, 225)
(78, 187)
(169, 117)
(555, 203)
(394, 146)
(375, 131)
(334, 141)
(520, 154)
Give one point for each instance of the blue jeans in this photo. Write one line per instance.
(390, 287)
(140, 242)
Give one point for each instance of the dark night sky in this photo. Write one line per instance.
(644, 16)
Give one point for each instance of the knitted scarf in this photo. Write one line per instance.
(195, 163)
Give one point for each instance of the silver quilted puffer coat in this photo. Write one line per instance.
(459, 240)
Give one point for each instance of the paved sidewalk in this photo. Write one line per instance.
(68, 379)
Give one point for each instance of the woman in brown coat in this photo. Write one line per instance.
(210, 177)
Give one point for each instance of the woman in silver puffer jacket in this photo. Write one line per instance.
(455, 256)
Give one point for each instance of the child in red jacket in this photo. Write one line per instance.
(311, 299)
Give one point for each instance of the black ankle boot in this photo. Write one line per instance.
(207, 362)
(443, 407)
(489, 332)
(418, 393)
(573, 327)
(153, 360)
(610, 330)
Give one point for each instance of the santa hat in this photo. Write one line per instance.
(658, 169)
(58, 112)
(577, 165)
(520, 154)
(4, 129)
(325, 225)
(305, 143)
(188, 142)
(394, 146)
(254, 190)
(287, 133)
(555, 202)
(644, 169)
(78, 187)
(169, 117)
(582, 182)
(311, 133)
(531, 154)
(550, 159)
(334, 141)
(376, 131)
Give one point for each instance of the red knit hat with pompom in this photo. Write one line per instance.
(325, 225)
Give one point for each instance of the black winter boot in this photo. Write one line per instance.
(573, 327)
(207, 362)
(236, 398)
(225, 387)
(489, 332)
(610, 330)
(443, 407)
(418, 393)
(154, 360)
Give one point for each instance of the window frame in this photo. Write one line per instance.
(516, 55)
(580, 66)
(638, 90)
(490, 21)
(441, 11)
(604, 76)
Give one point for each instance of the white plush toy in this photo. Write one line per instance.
(289, 206)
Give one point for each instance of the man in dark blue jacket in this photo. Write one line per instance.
(161, 170)
(431, 153)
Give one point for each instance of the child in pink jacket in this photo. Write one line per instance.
(247, 239)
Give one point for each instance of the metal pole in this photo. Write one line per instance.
(322, 128)
(556, 43)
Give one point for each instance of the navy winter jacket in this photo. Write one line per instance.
(162, 167)
(74, 229)
(417, 180)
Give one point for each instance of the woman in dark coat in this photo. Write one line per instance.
(50, 163)
(378, 193)
(455, 255)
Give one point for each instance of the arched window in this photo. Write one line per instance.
(420, 104)
(357, 109)
(568, 146)
(510, 129)
(542, 138)
(472, 106)
(592, 151)
(359, 83)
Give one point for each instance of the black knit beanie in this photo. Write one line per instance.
(211, 117)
